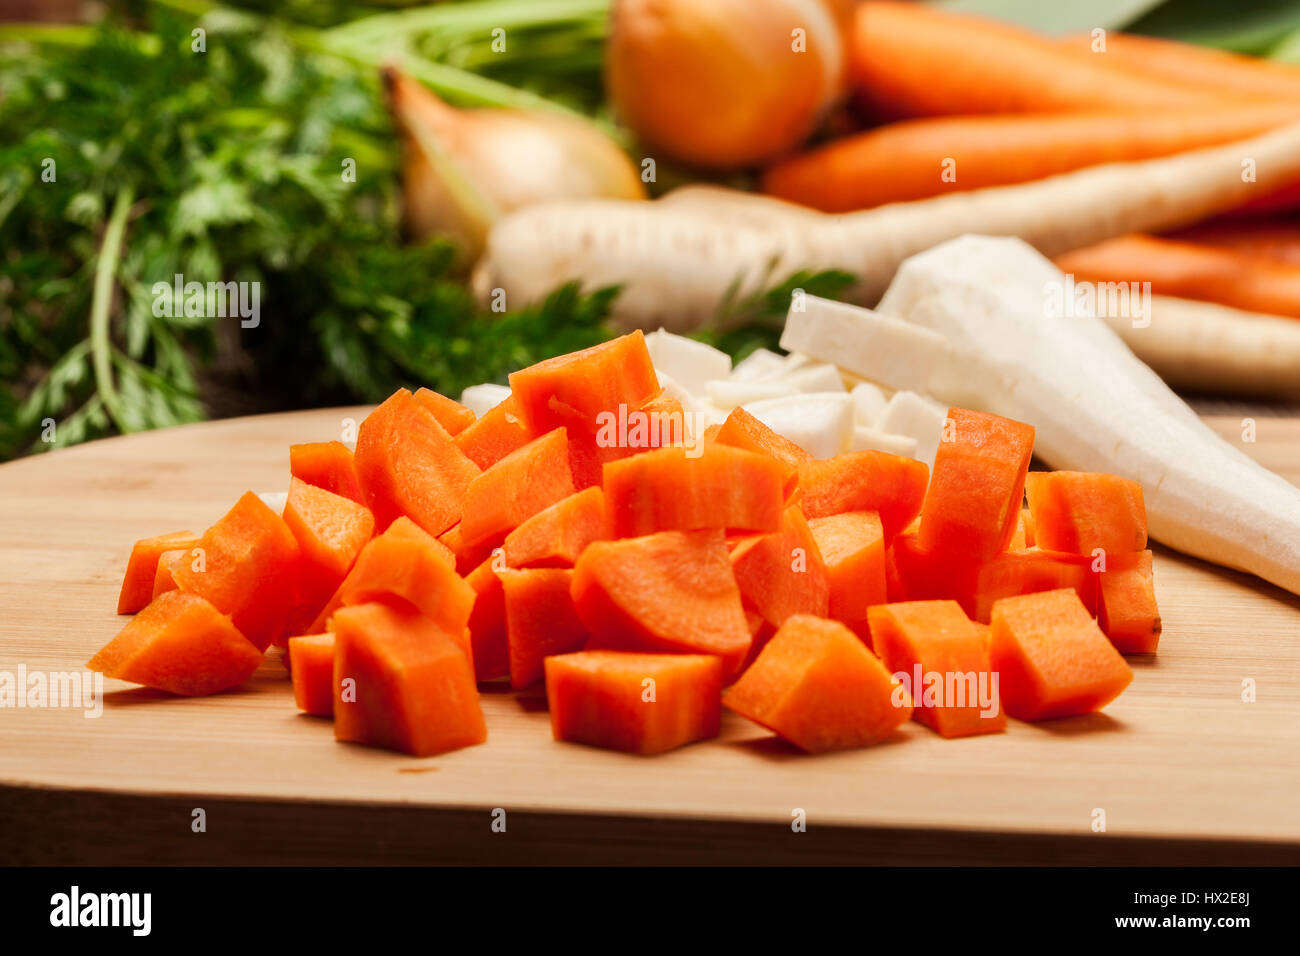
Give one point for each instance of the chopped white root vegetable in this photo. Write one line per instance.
(868, 404)
(813, 377)
(674, 389)
(877, 347)
(483, 398)
(275, 500)
(758, 364)
(821, 423)
(1092, 410)
(919, 418)
(691, 363)
(868, 439)
(727, 394)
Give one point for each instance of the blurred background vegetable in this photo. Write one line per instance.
(464, 168)
(724, 84)
(252, 141)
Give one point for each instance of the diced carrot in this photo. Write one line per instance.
(401, 682)
(743, 430)
(164, 580)
(409, 465)
(639, 703)
(945, 664)
(1029, 572)
(404, 562)
(182, 644)
(142, 566)
(451, 414)
(669, 592)
(817, 685)
(603, 378)
(656, 423)
(311, 666)
(247, 568)
(496, 434)
(516, 488)
(328, 465)
(890, 485)
(1051, 657)
(555, 536)
(671, 489)
(925, 575)
(1017, 542)
(1027, 525)
(540, 620)
(1126, 608)
(1079, 512)
(407, 530)
(977, 489)
(467, 557)
(781, 573)
(852, 546)
(487, 623)
(331, 531)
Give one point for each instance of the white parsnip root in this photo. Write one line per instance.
(678, 258)
(1076, 383)
(1204, 346)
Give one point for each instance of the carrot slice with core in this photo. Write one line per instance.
(668, 592)
(1080, 513)
(890, 485)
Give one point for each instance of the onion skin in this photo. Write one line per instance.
(717, 84)
(464, 169)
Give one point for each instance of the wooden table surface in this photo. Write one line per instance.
(1184, 769)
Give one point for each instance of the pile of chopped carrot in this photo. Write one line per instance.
(649, 584)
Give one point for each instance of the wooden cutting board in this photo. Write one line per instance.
(1183, 769)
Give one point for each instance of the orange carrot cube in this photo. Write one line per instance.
(943, 661)
(401, 682)
(1052, 659)
(639, 703)
(817, 685)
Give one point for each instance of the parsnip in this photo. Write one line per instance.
(1068, 378)
(1204, 346)
(679, 259)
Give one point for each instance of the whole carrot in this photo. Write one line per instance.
(1194, 66)
(1190, 271)
(915, 159)
(908, 59)
(1274, 239)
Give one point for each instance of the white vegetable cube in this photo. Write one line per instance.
(918, 417)
(758, 364)
(691, 363)
(727, 394)
(866, 343)
(814, 377)
(821, 423)
(868, 439)
(868, 403)
(483, 398)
